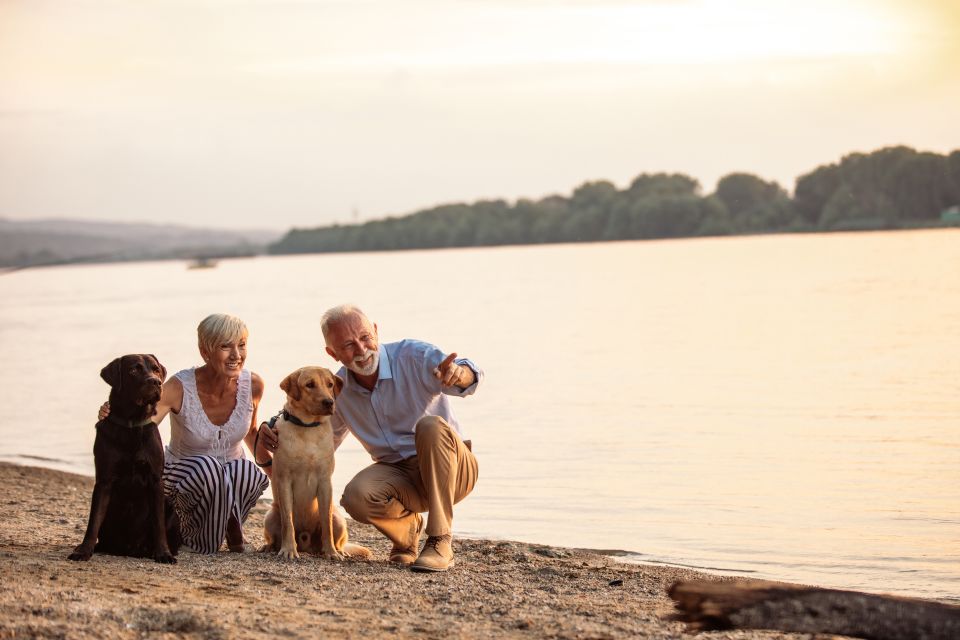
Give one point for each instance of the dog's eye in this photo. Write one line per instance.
(329, 385)
(311, 384)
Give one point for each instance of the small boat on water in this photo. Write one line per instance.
(202, 263)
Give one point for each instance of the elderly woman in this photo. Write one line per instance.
(213, 408)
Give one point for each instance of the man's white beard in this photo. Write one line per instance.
(356, 366)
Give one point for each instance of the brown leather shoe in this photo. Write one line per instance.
(437, 554)
(406, 555)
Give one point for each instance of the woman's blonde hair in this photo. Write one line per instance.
(218, 328)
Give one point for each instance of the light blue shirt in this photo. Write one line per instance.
(383, 419)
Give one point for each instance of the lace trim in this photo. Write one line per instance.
(223, 437)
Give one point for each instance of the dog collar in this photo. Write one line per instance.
(128, 423)
(289, 417)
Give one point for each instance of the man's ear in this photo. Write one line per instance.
(291, 385)
(332, 354)
(111, 373)
(337, 385)
(163, 369)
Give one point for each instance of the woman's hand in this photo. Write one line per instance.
(266, 441)
(269, 438)
(104, 411)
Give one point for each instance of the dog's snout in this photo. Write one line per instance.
(328, 403)
(154, 381)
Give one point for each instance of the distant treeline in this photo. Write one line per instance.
(892, 188)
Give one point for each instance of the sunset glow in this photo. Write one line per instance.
(422, 97)
(650, 34)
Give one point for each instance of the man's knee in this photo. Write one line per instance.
(356, 501)
(365, 498)
(431, 429)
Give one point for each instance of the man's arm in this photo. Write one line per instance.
(340, 429)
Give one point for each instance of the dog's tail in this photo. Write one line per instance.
(356, 551)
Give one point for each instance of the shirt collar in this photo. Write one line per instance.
(386, 372)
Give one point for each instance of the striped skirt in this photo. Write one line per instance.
(206, 492)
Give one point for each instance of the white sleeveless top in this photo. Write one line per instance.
(192, 433)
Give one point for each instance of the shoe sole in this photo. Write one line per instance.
(415, 567)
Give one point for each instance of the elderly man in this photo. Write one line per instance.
(395, 402)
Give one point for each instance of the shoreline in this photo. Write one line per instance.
(497, 588)
(623, 555)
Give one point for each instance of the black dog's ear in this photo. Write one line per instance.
(111, 373)
(163, 369)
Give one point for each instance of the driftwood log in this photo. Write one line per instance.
(757, 604)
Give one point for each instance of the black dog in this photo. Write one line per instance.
(128, 513)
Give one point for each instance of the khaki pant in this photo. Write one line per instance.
(388, 494)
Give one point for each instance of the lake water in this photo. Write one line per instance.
(778, 406)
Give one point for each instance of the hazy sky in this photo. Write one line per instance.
(273, 113)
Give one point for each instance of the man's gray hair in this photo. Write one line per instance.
(338, 314)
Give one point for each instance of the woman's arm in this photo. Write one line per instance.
(256, 394)
(171, 399)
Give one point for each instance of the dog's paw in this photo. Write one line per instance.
(289, 554)
(80, 554)
(333, 555)
(165, 557)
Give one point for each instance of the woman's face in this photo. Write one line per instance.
(228, 357)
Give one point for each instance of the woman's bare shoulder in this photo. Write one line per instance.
(172, 395)
(256, 385)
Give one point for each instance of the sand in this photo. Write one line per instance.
(497, 589)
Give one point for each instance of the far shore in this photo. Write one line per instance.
(498, 589)
(210, 260)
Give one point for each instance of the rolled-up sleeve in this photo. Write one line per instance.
(454, 390)
(432, 357)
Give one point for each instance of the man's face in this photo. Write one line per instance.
(354, 342)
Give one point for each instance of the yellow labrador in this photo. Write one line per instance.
(303, 517)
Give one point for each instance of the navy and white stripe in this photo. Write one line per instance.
(206, 492)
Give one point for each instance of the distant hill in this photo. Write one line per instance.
(53, 241)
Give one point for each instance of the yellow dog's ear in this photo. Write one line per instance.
(291, 385)
(111, 373)
(337, 385)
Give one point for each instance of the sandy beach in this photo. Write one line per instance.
(497, 589)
